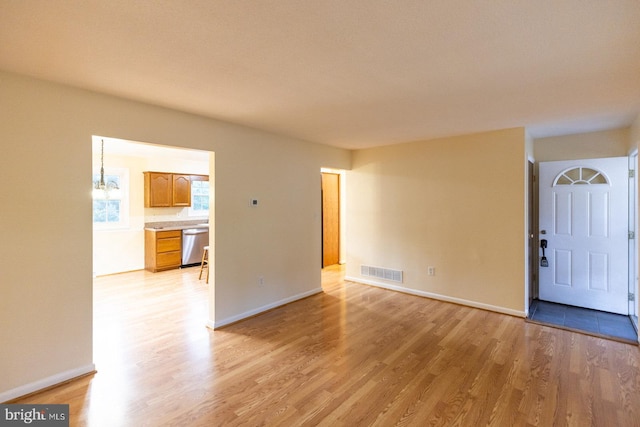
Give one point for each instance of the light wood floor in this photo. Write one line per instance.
(351, 356)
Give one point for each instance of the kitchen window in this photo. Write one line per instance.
(111, 210)
(199, 198)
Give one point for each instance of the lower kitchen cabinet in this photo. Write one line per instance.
(162, 250)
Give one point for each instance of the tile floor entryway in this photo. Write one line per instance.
(599, 323)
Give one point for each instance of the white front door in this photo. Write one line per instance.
(584, 220)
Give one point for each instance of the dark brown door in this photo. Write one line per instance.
(330, 219)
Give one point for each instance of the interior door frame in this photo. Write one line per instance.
(633, 243)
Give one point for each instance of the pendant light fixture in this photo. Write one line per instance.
(102, 189)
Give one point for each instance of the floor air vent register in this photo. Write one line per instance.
(381, 273)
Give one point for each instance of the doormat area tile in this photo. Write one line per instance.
(600, 323)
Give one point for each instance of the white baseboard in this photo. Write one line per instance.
(439, 297)
(220, 323)
(46, 382)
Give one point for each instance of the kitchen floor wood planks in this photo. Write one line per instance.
(354, 355)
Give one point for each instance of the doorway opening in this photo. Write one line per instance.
(332, 195)
(585, 253)
(121, 248)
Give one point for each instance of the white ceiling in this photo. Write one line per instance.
(349, 73)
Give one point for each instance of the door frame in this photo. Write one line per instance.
(633, 243)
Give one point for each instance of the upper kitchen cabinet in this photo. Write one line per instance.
(162, 189)
(181, 194)
(157, 189)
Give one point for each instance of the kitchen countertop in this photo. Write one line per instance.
(174, 225)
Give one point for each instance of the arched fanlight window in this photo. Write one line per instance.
(580, 176)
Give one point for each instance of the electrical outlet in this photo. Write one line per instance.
(260, 281)
(431, 271)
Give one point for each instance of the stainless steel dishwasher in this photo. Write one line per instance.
(193, 242)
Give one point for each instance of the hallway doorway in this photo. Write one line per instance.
(331, 206)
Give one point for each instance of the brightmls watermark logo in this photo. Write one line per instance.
(34, 415)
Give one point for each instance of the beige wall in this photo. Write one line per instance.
(592, 145)
(634, 134)
(46, 304)
(457, 204)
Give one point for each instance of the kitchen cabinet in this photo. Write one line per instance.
(163, 189)
(162, 250)
(157, 189)
(181, 194)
